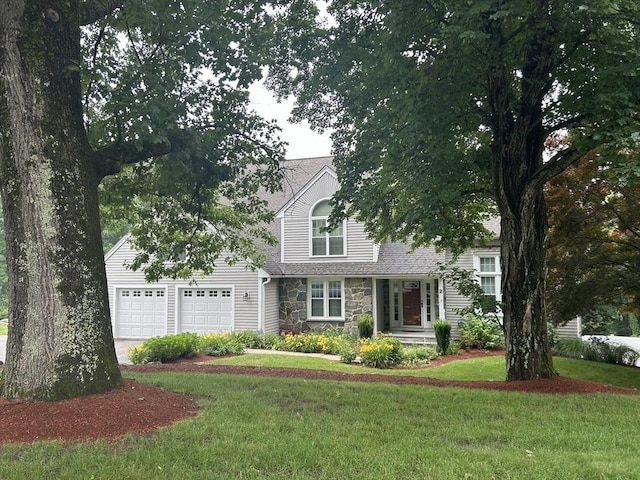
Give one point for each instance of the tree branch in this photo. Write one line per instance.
(112, 158)
(93, 10)
(556, 165)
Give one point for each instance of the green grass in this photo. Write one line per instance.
(3, 328)
(485, 368)
(276, 428)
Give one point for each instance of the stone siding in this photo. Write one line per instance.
(358, 294)
(293, 305)
(358, 298)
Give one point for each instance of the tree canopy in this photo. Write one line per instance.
(166, 102)
(594, 241)
(443, 111)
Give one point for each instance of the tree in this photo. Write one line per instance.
(442, 111)
(3, 270)
(594, 241)
(147, 98)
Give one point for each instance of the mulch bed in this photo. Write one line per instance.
(141, 408)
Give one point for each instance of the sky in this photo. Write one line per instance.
(303, 142)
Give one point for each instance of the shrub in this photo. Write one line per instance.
(480, 331)
(443, 334)
(347, 352)
(311, 342)
(597, 350)
(272, 340)
(219, 344)
(165, 349)
(252, 338)
(418, 354)
(570, 347)
(365, 325)
(382, 351)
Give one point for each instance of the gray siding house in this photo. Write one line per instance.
(311, 280)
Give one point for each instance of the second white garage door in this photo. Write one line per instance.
(204, 310)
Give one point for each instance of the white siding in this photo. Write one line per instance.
(572, 329)
(454, 301)
(271, 307)
(296, 228)
(242, 280)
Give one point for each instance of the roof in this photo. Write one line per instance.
(394, 259)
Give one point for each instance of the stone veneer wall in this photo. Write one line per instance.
(358, 298)
(293, 305)
(358, 294)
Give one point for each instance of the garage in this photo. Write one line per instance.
(205, 310)
(141, 312)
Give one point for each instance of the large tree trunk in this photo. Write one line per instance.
(517, 122)
(60, 342)
(522, 238)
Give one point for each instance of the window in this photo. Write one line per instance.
(488, 268)
(324, 242)
(326, 298)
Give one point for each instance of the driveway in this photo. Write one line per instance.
(121, 349)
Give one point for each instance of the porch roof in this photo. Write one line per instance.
(394, 259)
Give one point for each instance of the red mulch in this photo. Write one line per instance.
(141, 408)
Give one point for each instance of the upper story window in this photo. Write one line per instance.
(325, 242)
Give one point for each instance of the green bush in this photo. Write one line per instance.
(311, 342)
(272, 341)
(418, 354)
(219, 344)
(165, 349)
(443, 334)
(480, 331)
(365, 325)
(597, 350)
(382, 351)
(347, 352)
(252, 338)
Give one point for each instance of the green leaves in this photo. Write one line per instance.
(427, 100)
(167, 109)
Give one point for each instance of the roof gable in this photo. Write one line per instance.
(326, 170)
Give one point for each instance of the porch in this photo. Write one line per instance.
(407, 307)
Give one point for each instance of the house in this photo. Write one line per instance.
(312, 278)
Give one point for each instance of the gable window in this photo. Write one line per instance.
(326, 298)
(325, 242)
(488, 268)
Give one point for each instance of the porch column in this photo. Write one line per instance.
(441, 306)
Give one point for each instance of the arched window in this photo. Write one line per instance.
(324, 242)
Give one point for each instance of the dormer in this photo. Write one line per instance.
(303, 222)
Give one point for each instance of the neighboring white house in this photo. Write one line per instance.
(312, 279)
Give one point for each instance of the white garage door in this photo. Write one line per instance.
(141, 313)
(205, 310)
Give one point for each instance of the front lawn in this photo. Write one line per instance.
(276, 428)
(486, 368)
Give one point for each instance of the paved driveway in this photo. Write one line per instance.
(121, 348)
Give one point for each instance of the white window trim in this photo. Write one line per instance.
(325, 308)
(344, 233)
(497, 274)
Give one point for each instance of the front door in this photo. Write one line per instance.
(411, 303)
